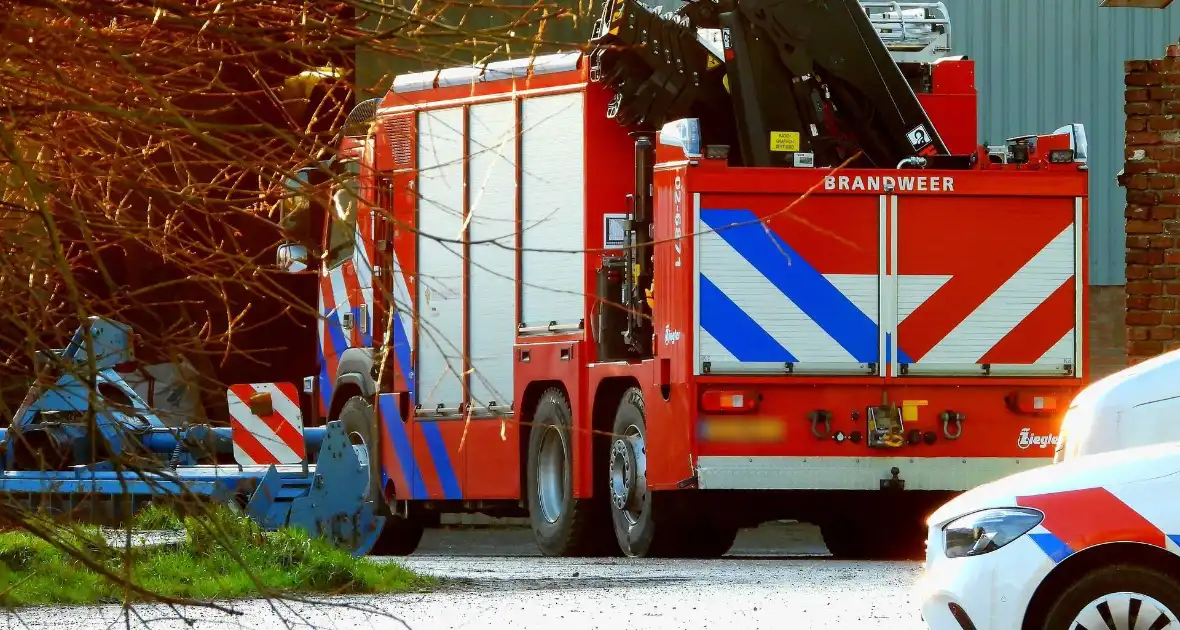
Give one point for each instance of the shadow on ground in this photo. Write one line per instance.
(775, 539)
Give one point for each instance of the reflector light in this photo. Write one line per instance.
(1032, 403)
(718, 401)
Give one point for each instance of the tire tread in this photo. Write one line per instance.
(585, 534)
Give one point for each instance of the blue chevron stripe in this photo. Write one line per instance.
(1052, 546)
(401, 350)
(396, 432)
(442, 460)
(736, 331)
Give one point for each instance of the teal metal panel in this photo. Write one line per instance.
(1043, 64)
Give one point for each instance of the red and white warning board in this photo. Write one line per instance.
(266, 423)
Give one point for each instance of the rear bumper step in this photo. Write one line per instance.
(855, 473)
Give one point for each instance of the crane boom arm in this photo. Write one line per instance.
(793, 76)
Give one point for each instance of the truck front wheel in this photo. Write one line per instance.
(400, 536)
(562, 525)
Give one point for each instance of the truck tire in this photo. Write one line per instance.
(1157, 593)
(400, 536)
(562, 525)
(641, 530)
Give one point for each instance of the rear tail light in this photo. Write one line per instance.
(724, 401)
(1032, 403)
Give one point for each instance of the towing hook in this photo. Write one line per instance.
(950, 418)
(820, 417)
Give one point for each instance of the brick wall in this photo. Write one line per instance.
(1153, 201)
(1108, 338)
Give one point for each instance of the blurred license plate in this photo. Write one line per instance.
(739, 429)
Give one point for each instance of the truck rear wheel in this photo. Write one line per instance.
(562, 525)
(400, 536)
(640, 530)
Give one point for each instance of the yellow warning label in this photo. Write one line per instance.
(909, 410)
(784, 141)
(713, 62)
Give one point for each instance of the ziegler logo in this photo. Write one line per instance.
(677, 219)
(1028, 438)
(670, 336)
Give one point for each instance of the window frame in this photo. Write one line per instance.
(349, 178)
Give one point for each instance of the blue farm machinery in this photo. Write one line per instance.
(83, 435)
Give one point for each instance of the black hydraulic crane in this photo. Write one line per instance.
(788, 82)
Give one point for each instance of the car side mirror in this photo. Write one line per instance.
(292, 258)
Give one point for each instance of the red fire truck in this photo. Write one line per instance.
(747, 261)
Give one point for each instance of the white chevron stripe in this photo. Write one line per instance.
(862, 290)
(913, 291)
(709, 349)
(364, 271)
(1009, 305)
(403, 299)
(340, 294)
(781, 318)
(321, 323)
(1061, 351)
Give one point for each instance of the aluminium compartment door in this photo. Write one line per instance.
(440, 302)
(987, 284)
(492, 445)
(793, 292)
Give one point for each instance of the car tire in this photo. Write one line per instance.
(1116, 588)
(562, 525)
(400, 536)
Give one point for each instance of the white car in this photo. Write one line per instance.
(1088, 543)
(1137, 406)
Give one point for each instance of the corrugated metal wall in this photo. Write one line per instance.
(1044, 63)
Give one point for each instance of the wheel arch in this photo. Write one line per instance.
(345, 388)
(354, 377)
(1078, 564)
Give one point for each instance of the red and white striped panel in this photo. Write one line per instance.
(274, 439)
(989, 283)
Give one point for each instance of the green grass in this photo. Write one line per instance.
(222, 557)
(156, 517)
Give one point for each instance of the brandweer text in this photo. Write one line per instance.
(921, 183)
